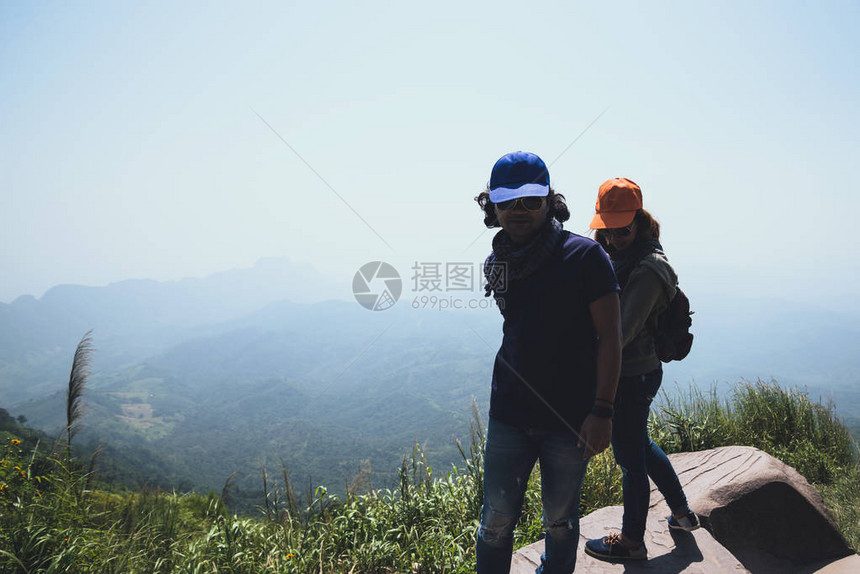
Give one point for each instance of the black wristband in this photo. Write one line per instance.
(602, 412)
(607, 401)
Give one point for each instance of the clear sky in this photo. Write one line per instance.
(136, 139)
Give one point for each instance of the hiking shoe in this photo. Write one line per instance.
(611, 548)
(688, 522)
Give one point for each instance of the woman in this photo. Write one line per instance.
(630, 235)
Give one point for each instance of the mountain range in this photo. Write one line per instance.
(195, 379)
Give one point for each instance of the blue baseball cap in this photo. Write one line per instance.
(518, 174)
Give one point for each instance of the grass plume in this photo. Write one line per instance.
(77, 385)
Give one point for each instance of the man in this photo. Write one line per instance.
(555, 374)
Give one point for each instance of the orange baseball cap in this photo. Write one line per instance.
(617, 202)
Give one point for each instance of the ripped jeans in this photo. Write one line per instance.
(509, 457)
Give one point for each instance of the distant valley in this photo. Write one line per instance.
(195, 380)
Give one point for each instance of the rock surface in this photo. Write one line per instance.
(757, 506)
(668, 551)
(759, 514)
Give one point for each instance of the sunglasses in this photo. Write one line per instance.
(528, 203)
(619, 232)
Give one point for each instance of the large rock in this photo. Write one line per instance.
(759, 514)
(669, 552)
(756, 506)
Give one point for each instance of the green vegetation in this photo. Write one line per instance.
(54, 516)
(785, 423)
(782, 422)
(189, 418)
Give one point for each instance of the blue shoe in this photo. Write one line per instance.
(611, 548)
(688, 522)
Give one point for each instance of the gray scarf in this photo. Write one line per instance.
(511, 261)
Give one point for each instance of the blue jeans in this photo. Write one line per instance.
(509, 457)
(638, 456)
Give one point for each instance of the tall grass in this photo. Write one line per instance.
(52, 519)
(782, 422)
(842, 497)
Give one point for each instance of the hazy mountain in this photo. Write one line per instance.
(323, 387)
(796, 344)
(135, 319)
(192, 383)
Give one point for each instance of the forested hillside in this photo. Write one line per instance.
(193, 381)
(56, 513)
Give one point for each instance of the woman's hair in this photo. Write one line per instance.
(555, 201)
(647, 229)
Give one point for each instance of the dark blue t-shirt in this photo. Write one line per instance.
(545, 371)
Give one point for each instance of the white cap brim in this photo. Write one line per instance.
(501, 194)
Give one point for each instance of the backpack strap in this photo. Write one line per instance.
(624, 266)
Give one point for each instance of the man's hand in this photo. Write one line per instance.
(595, 434)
